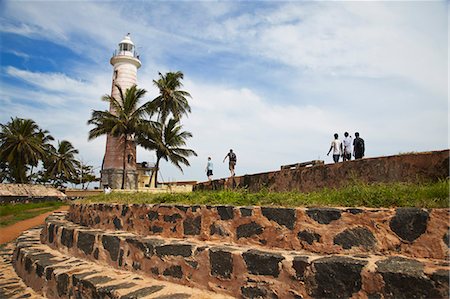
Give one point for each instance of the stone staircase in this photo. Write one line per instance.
(176, 251)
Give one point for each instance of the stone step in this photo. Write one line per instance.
(248, 271)
(414, 232)
(56, 275)
(11, 285)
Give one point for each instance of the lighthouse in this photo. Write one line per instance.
(125, 64)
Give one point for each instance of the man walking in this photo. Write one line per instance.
(347, 156)
(336, 146)
(209, 169)
(358, 147)
(231, 161)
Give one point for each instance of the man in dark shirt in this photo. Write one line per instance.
(232, 161)
(358, 147)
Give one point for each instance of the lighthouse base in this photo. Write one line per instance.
(113, 178)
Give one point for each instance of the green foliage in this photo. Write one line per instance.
(12, 213)
(357, 194)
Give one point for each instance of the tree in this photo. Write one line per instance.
(21, 146)
(125, 122)
(62, 164)
(167, 140)
(171, 99)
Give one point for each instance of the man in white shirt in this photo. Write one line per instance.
(336, 146)
(347, 142)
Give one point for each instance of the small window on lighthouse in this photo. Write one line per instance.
(116, 72)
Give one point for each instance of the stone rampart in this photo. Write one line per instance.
(411, 232)
(416, 167)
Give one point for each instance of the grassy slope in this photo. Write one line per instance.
(12, 213)
(430, 195)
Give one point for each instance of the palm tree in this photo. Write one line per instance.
(21, 145)
(171, 99)
(126, 121)
(167, 140)
(62, 166)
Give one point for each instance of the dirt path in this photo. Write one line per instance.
(11, 232)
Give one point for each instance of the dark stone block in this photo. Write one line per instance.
(308, 237)
(182, 208)
(48, 273)
(174, 271)
(404, 278)
(147, 246)
(252, 292)
(174, 296)
(51, 232)
(193, 264)
(154, 270)
(92, 282)
(221, 262)
(248, 230)
(156, 229)
(121, 257)
(86, 242)
(300, 263)
(225, 212)
(282, 216)
(354, 211)
(174, 250)
(441, 282)
(142, 292)
(28, 263)
(358, 236)
(262, 263)
(373, 296)
(192, 226)
(97, 219)
(112, 245)
(335, 277)
(246, 212)
(124, 210)
(62, 282)
(446, 239)
(172, 218)
(216, 229)
(67, 237)
(136, 265)
(96, 253)
(152, 215)
(117, 223)
(324, 215)
(409, 223)
(194, 208)
(107, 291)
(77, 277)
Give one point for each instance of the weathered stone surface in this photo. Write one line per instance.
(409, 223)
(252, 292)
(403, 278)
(97, 219)
(146, 246)
(152, 215)
(142, 292)
(124, 210)
(282, 216)
(67, 237)
(446, 239)
(441, 282)
(62, 282)
(358, 236)
(248, 230)
(107, 291)
(183, 250)
(86, 242)
(192, 226)
(172, 218)
(51, 232)
(174, 271)
(217, 229)
(262, 263)
(300, 263)
(112, 245)
(221, 262)
(156, 229)
(225, 212)
(354, 211)
(117, 223)
(324, 215)
(174, 296)
(308, 237)
(246, 212)
(335, 277)
(92, 282)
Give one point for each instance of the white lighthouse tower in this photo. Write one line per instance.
(125, 62)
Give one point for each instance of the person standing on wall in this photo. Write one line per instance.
(358, 147)
(209, 169)
(336, 146)
(347, 142)
(231, 161)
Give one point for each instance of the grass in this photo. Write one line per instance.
(12, 213)
(357, 194)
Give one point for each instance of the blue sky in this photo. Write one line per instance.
(273, 80)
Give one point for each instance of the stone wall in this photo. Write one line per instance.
(417, 167)
(408, 231)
